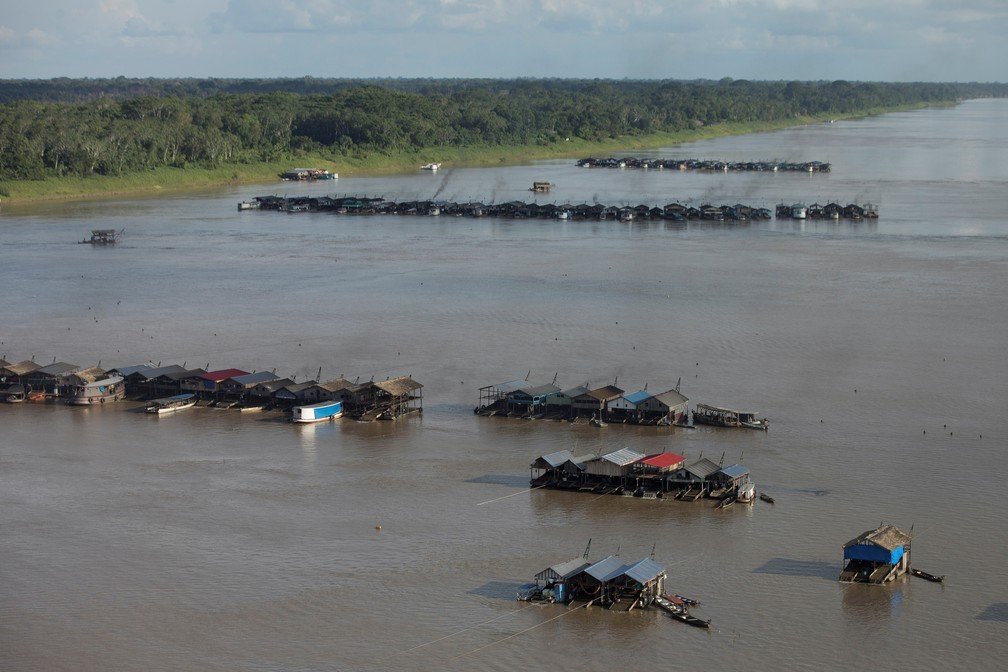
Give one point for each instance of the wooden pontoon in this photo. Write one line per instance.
(104, 237)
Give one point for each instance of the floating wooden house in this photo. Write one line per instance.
(308, 392)
(667, 407)
(876, 556)
(139, 379)
(50, 378)
(554, 578)
(346, 391)
(660, 464)
(614, 465)
(595, 402)
(559, 404)
(530, 400)
(396, 397)
(267, 390)
(16, 373)
(628, 408)
(208, 383)
(617, 585)
(169, 383)
(696, 479)
(494, 397)
(238, 387)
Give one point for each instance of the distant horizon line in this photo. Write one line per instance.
(364, 78)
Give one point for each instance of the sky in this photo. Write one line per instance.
(879, 40)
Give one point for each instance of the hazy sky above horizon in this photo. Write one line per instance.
(891, 40)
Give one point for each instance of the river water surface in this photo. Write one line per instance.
(209, 541)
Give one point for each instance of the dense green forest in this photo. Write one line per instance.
(67, 127)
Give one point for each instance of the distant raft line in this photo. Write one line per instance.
(676, 211)
(707, 164)
(223, 388)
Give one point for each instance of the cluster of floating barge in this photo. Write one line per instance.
(706, 164)
(168, 389)
(610, 583)
(675, 212)
(628, 473)
(851, 211)
(605, 404)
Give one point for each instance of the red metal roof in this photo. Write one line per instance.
(663, 460)
(223, 374)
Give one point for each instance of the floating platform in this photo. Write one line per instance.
(712, 165)
(738, 213)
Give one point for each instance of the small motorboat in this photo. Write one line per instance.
(675, 608)
(598, 422)
(15, 394)
(766, 498)
(687, 600)
(171, 404)
(430, 166)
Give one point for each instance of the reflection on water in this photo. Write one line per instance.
(873, 604)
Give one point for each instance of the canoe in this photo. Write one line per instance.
(919, 573)
(766, 498)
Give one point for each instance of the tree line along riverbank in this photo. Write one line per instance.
(174, 138)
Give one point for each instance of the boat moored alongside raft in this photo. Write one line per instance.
(171, 404)
(86, 389)
(704, 414)
(320, 412)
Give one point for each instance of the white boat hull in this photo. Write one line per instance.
(314, 420)
(170, 409)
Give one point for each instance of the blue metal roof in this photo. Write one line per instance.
(735, 471)
(637, 397)
(644, 571)
(602, 569)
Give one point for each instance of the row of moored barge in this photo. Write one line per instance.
(626, 472)
(851, 211)
(610, 583)
(605, 404)
(171, 388)
(707, 164)
(676, 211)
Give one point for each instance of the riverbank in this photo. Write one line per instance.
(169, 180)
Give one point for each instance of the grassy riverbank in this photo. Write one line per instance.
(163, 180)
